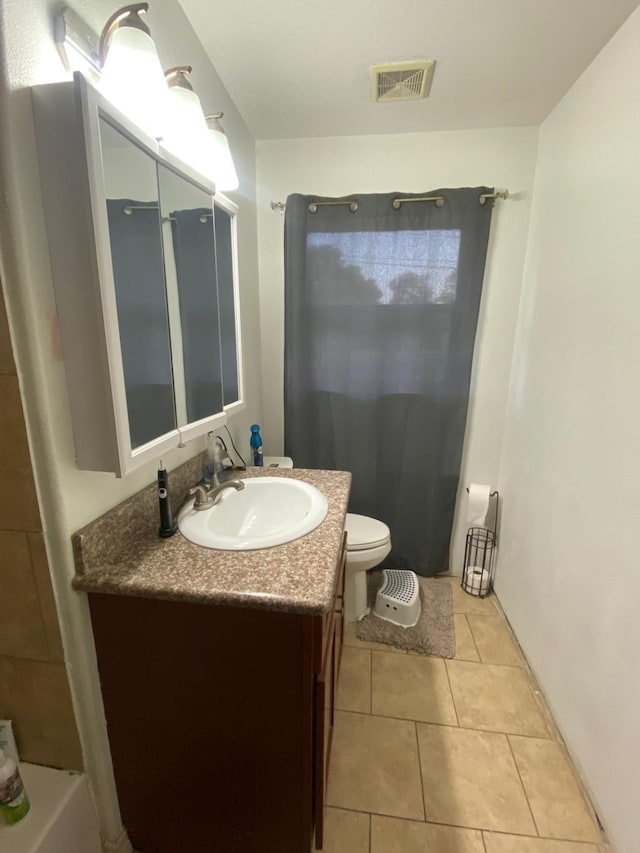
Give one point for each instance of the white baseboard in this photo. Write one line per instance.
(121, 845)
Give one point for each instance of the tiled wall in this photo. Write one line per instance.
(34, 690)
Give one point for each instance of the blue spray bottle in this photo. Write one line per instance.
(255, 443)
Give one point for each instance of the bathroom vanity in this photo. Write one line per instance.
(218, 673)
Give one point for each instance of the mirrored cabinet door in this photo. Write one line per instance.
(189, 242)
(135, 236)
(225, 266)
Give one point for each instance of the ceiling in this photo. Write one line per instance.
(300, 68)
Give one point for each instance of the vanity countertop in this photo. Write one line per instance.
(121, 554)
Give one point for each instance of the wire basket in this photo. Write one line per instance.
(479, 553)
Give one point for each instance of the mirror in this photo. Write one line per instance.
(190, 254)
(138, 270)
(227, 302)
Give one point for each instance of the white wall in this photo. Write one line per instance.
(569, 575)
(409, 163)
(69, 498)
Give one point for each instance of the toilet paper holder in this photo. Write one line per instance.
(479, 555)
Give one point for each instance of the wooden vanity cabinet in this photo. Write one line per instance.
(219, 721)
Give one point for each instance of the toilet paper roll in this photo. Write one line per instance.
(477, 580)
(478, 504)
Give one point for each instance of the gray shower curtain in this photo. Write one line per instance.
(381, 308)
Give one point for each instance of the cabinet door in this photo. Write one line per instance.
(339, 615)
(226, 267)
(189, 238)
(323, 716)
(135, 238)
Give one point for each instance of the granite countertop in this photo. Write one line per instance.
(121, 554)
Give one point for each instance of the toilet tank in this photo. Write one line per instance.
(278, 462)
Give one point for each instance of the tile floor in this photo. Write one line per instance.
(450, 756)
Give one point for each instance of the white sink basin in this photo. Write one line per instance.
(268, 511)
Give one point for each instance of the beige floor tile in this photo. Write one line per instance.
(350, 639)
(470, 779)
(354, 687)
(375, 766)
(465, 645)
(414, 687)
(390, 835)
(556, 800)
(345, 832)
(494, 641)
(465, 603)
(518, 844)
(495, 698)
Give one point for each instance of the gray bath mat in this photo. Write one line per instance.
(434, 633)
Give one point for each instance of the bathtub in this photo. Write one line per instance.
(62, 818)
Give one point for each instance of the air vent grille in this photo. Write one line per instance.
(401, 81)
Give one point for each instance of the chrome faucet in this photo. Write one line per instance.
(203, 500)
(238, 485)
(206, 498)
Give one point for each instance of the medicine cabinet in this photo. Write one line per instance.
(144, 262)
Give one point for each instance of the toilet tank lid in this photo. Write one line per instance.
(365, 532)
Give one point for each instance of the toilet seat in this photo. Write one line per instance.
(364, 533)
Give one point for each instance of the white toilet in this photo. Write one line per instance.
(368, 543)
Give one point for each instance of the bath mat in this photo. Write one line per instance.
(434, 633)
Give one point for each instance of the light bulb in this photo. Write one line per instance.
(186, 133)
(224, 171)
(133, 80)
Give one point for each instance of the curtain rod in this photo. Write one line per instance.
(439, 200)
(498, 194)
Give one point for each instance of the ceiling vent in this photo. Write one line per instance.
(402, 81)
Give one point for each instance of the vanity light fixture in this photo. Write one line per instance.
(124, 62)
(77, 42)
(132, 77)
(225, 175)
